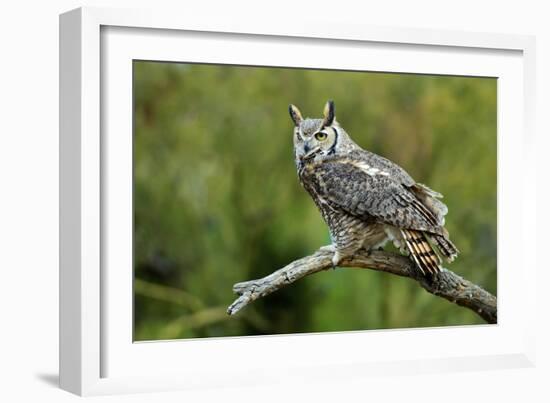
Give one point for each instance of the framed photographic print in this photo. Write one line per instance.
(220, 179)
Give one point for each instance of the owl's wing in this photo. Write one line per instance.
(366, 192)
(397, 173)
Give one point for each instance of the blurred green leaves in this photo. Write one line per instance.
(217, 200)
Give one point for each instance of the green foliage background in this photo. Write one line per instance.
(217, 199)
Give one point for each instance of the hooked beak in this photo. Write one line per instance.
(309, 153)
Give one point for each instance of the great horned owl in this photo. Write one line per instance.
(366, 199)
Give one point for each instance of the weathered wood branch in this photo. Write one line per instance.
(445, 284)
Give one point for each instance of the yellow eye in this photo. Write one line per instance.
(320, 136)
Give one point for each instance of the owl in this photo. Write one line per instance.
(365, 199)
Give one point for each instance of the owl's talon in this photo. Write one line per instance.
(328, 248)
(365, 251)
(335, 260)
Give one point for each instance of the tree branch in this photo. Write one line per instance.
(445, 284)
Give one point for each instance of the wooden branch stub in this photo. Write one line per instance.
(445, 284)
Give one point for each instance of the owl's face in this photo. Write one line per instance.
(315, 139)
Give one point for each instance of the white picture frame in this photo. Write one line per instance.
(96, 354)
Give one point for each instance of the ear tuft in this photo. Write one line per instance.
(295, 114)
(328, 113)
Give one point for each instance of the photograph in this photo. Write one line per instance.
(259, 190)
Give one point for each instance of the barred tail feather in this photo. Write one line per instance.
(445, 246)
(421, 251)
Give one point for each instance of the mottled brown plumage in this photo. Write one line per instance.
(366, 199)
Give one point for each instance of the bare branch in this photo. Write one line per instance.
(445, 284)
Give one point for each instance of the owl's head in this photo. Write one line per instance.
(315, 139)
